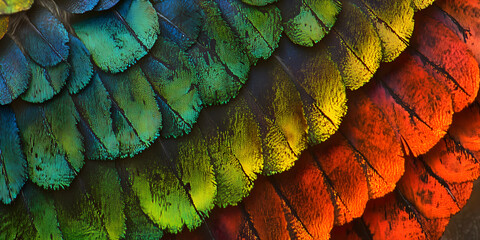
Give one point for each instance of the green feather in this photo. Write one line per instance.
(96, 124)
(52, 142)
(172, 76)
(126, 33)
(355, 46)
(306, 22)
(13, 6)
(16, 222)
(235, 151)
(13, 165)
(139, 226)
(45, 82)
(134, 102)
(93, 208)
(259, 2)
(81, 66)
(174, 194)
(43, 213)
(259, 28)
(219, 58)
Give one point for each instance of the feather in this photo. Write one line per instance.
(223, 66)
(394, 23)
(139, 73)
(357, 53)
(438, 175)
(184, 191)
(96, 123)
(409, 108)
(13, 163)
(53, 141)
(120, 33)
(180, 21)
(422, 4)
(139, 110)
(13, 6)
(43, 37)
(307, 22)
(138, 225)
(74, 6)
(14, 69)
(173, 77)
(461, 15)
(4, 20)
(259, 2)
(81, 67)
(455, 69)
(364, 132)
(32, 222)
(236, 169)
(258, 28)
(46, 82)
(76, 214)
(83, 6)
(105, 4)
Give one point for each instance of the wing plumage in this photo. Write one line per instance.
(97, 80)
(414, 195)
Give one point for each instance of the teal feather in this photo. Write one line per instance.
(77, 6)
(52, 142)
(105, 4)
(180, 21)
(46, 82)
(82, 6)
(43, 37)
(219, 57)
(126, 32)
(134, 100)
(13, 165)
(81, 67)
(259, 32)
(14, 71)
(93, 105)
(172, 76)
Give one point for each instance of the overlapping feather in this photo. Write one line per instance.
(440, 164)
(47, 51)
(154, 80)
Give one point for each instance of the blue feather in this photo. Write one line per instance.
(14, 71)
(44, 38)
(94, 104)
(82, 67)
(180, 20)
(105, 4)
(12, 160)
(77, 6)
(45, 82)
